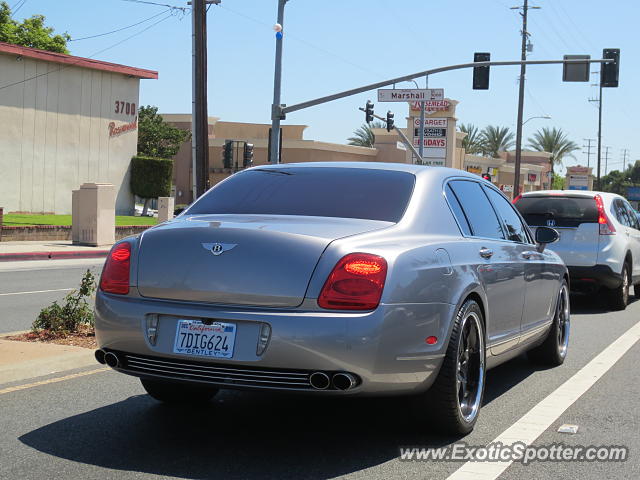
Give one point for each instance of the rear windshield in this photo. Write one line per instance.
(563, 211)
(308, 191)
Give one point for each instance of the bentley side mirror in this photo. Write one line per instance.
(545, 235)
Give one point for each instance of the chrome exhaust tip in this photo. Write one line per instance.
(344, 381)
(111, 359)
(319, 380)
(100, 356)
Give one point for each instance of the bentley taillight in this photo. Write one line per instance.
(115, 275)
(356, 283)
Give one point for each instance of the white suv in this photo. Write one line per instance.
(599, 238)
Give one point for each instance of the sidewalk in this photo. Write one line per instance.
(48, 250)
(23, 360)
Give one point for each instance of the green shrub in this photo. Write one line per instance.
(151, 177)
(75, 311)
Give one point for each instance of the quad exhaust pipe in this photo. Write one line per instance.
(344, 381)
(339, 381)
(107, 358)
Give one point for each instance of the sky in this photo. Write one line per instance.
(335, 45)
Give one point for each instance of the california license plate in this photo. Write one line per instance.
(196, 338)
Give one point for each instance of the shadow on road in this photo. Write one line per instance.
(240, 435)
(594, 303)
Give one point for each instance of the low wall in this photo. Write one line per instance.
(56, 232)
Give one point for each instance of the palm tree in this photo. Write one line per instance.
(472, 143)
(496, 139)
(554, 141)
(363, 136)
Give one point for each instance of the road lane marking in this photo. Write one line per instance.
(37, 291)
(52, 380)
(535, 422)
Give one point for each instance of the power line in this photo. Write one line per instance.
(90, 56)
(16, 9)
(184, 9)
(120, 29)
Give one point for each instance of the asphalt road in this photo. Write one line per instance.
(27, 287)
(102, 425)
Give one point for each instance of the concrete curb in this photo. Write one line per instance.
(14, 257)
(24, 360)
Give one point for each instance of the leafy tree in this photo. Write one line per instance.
(496, 139)
(634, 172)
(615, 182)
(554, 141)
(472, 143)
(557, 182)
(156, 138)
(151, 178)
(363, 136)
(31, 32)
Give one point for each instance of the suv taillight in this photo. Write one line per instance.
(606, 227)
(115, 275)
(356, 283)
(515, 200)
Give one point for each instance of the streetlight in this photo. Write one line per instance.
(546, 117)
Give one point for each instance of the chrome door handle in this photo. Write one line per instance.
(486, 253)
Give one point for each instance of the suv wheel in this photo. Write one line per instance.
(619, 297)
(178, 393)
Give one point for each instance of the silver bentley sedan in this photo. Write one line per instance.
(336, 279)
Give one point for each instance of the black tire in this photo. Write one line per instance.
(636, 290)
(178, 393)
(444, 405)
(619, 297)
(554, 349)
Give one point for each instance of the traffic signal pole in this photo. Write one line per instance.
(276, 116)
(283, 110)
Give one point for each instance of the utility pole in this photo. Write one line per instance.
(523, 68)
(200, 117)
(625, 154)
(274, 153)
(606, 161)
(598, 185)
(588, 147)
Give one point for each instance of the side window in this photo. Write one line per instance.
(633, 218)
(457, 211)
(475, 204)
(516, 232)
(621, 212)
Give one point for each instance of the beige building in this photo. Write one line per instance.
(294, 149)
(65, 121)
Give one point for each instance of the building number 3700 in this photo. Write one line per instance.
(127, 108)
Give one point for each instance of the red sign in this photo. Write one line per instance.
(432, 105)
(127, 127)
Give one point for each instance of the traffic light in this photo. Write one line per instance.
(609, 71)
(227, 154)
(481, 74)
(247, 159)
(368, 112)
(486, 176)
(389, 121)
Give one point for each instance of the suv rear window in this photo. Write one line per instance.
(566, 211)
(311, 191)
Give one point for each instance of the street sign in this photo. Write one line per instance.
(410, 94)
(633, 193)
(576, 72)
(431, 142)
